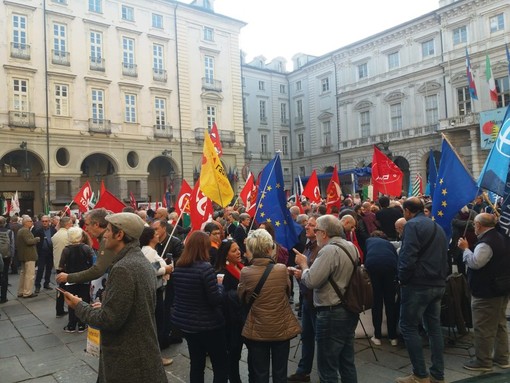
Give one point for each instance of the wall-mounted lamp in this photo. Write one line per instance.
(167, 153)
(26, 171)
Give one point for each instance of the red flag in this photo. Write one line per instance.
(103, 188)
(132, 201)
(298, 203)
(249, 195)
(109, 202)
(83, 196)
(215, 138)
(386, 176)
(201, 209)
(333, 192)
(182, 203)
(311, 190)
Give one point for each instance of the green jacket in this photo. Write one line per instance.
(26, 245)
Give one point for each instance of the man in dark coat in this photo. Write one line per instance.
(44, 253)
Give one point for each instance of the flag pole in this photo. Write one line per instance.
(173, 230)
(264, 190)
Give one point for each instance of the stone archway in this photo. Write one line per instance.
(403, 165)
(97, 168)
(22, 171)
(162, 180)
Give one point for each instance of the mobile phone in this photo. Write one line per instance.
(60, 289)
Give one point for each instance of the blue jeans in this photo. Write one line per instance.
(423, 305)
(263, 354)
(335, 345)
(308, 321)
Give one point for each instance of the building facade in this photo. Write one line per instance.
(400, 89)
(114, 91)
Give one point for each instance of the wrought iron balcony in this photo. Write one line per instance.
(97, 63)
(98, 125)
(60, 57)
(22, 119)
(298, 119)
(285, 122)
(129, 69)
(20, 51)
(263, 120)
(211, 84)
(163, 131)
(159, 74)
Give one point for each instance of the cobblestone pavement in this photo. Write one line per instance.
(34, 348)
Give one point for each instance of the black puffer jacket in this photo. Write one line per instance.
(198, 298)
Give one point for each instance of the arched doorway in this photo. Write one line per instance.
(97, 168)
(22, 171)
(403, 165)
(162, 180)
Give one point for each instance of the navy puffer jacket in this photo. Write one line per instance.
(198, 298)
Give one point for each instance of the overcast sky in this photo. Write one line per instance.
(286, 27)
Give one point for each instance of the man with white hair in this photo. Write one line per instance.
(27, 255)
(60, 241)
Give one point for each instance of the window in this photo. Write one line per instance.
(209, 69)
(95, 6)
(128, 52)
(211, 116)
(262, 111)
(263, 143)
(208, 34)
(285, 145)
(362, 71)
(20, 95)
(301, 142)
(431, 110)
(160, 112)
(262, 85)
(283, 113)
(463, 101)
(96, 47)
(427, 48)
(298, 85)
(302, 171)
(299, 108)
(59, 40)
(497, 23)
(157, 58)
(157, 21)
(364, 122)
(393, 60)
(326, 133)
(97, 105)
(396, 117)
(283, 89)
(128, 13)
(503, 87)
(19, 32)
(130, 108)
(325, 85)
(61, 100)
(60, 1)
(460, 35)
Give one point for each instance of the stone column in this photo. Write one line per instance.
(475, 151)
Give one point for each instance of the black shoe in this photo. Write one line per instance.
(47, 287)
(298, 378)
(37, 290)
(62, 314)
(82, 328)
(70, 329)
(33, 295)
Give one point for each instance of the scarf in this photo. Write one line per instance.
(233, 270)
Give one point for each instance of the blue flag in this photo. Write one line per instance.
(431, 182)
(495, 170)
(455, 188)
(470, 78)
(272, 204)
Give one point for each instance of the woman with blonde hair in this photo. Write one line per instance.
(270, 323)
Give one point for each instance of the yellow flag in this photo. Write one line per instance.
(213, 178)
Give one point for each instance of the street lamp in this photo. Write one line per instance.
(26, 171)
(98, 176)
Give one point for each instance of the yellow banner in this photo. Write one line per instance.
(213, 178)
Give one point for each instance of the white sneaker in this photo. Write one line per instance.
(375, 341)
(394, 342)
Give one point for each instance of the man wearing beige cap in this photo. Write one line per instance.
(129, 346)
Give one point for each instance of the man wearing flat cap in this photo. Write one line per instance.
(129, 346)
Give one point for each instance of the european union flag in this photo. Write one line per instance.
(272, 204)
(455, 188)
(494, 172)
(431, 183)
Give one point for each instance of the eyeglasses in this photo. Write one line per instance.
(316, 230)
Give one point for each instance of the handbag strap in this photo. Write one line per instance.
(333, 283)
(262, 280)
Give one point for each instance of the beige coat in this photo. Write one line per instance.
(26, 245)
(271, 317)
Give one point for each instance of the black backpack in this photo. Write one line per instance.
(359, 295)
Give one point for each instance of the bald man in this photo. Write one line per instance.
(488, 261)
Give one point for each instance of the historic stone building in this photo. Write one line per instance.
(118, 91)
(399, 89)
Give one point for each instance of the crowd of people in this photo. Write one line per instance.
(231, 284)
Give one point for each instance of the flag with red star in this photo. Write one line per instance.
(455, 188)
(272, 204)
